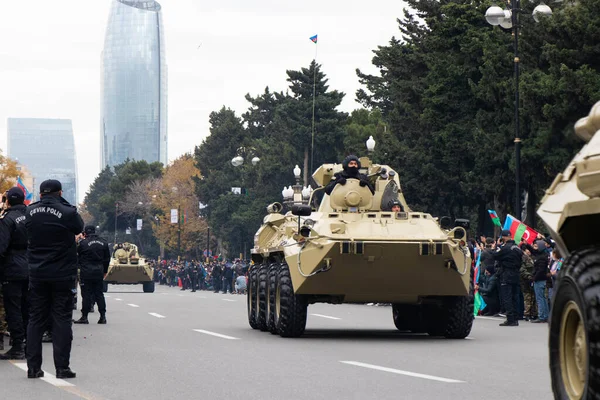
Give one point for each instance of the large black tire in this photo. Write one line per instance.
(148, 287)
(575, 328)
(271, 288)
(408, 317)
(251, 297)
(104, 287)
(453, 318)
(291, 309)
(261, 316)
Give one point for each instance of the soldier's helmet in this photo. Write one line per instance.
(126, 246)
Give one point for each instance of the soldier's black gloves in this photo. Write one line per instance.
(363, 183)
(341, 181)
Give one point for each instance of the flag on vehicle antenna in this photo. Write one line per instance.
(314, 38)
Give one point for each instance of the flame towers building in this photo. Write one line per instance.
(134, 84)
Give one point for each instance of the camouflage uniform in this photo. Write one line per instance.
(526, 274)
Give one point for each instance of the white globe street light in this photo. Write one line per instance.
(297, 171)
(255, 161)
(495, 15)
(370, 144)
(507, 23)
(237, 161)
(541, 11)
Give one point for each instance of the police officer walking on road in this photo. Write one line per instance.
(94, 257)
(14, 273)
(52, 224)
(509, 257)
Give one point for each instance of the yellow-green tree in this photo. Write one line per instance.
(8, 173)
(177, 192)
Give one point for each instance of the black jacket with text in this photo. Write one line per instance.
(13, 245)
(94, 257)
(52, 224)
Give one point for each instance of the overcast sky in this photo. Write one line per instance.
(216, 53)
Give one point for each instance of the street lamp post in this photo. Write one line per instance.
(116, 214)
(509, 19)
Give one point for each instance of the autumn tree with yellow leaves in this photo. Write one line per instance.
(8, 173)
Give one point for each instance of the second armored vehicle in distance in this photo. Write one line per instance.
(127, 268)
(349, 247)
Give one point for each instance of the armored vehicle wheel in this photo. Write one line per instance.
(104, 286)
(271, 284)
(574, 328)
(261, 309)
(251, 297)
(408, 317)
(290, 309)
(148, 287)
(453, 318)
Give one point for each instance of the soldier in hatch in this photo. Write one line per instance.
(351, 166)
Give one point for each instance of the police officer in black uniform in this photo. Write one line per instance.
(52, 224)
(94, 257)
(194, 276)
(508, 259)
(14, 273)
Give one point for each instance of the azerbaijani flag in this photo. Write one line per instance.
(479, 302)
(494, 217)
(27, 193)
(314, 38)
(519, 230)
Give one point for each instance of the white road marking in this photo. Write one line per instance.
(216, 334)
(490, 318)
(156, 315)
(401, 372)
(325, 316)
(164, 293)
(118, 299)
(133, 305)
(227, 300)
(49, 378)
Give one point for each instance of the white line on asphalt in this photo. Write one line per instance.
(49, 378)
(156, 315)
(132, 305)
(490, 318)
(227, 300)
(118, 299)
(401, 372)
(164, 293)
(325, 316)
(216, 334)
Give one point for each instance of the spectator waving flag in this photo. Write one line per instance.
(519, 230)
(479, 303)
(314, 38)
(494, 217)
(27, 193)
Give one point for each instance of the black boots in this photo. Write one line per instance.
(65, 373)
(102, 319)
(506, 323)
(47, 338)
(16, 352)
(35, 373)
(82, 320)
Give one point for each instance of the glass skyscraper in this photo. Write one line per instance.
(45, 147)
(134, 84)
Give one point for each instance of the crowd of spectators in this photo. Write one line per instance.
(218, 276)
(541, 262)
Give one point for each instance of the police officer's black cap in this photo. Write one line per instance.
(50, 186)
(89, 229)
(15, 196)
(506, 232)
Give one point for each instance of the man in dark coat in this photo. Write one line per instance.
(14, 273)
(490, 292)
(508, 258)
(52, 224)
(94, 258)
(350, 166)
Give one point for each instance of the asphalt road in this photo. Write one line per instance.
(176, 344)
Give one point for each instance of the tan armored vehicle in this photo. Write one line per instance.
(127, 268)
(348, 247)
(571, 211)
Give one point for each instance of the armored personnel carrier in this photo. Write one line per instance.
(349, 247)
(571, 211)
(127, 268)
